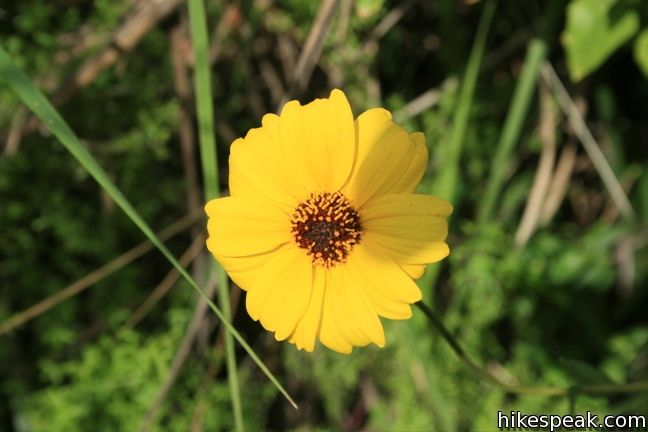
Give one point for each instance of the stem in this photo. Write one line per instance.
(486, 376)
(522, 98)
(446, 183)
(592, 148)
(209, 161)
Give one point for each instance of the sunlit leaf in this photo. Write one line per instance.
(641, 51)
(595, 30)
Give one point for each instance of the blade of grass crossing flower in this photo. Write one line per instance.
(209, 162)
(41, 107)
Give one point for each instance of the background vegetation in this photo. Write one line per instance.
(547, 283)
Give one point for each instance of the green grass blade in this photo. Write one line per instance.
(203, 95)
(209, 162)
(522, 97)
(447, 180)
(41, 107)
(446, 183)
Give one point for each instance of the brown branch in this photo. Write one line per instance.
(559, 183)
(547, 133)
(287, 56)
(587, 140)
(272, 81)
(180, 45)
(138, 22)
(214, 367)
(144, 16)
(312, 49)
(392, 18)
(16, 131)
(230, 19)
(425, 100)
(181, 355)
(180, 50)
(346, 9)
(166, 284)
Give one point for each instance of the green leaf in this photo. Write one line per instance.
(641, 51)
(594, 30)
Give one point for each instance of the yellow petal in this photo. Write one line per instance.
(306, 330)
(246, 271)
(257, 169)
(414, 172)
(388, 159)
(291, 292)
(318, 141)
(329, 333)
(406, 204)
(414, 270)
(411, 228)
(408, 251)
(241, 227)
(374, 270)
(372, 284)
(358, 320)
(281, 296)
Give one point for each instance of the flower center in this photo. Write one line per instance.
(326, 226)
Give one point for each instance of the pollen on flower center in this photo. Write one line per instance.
(327, 227)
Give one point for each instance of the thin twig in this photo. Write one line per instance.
(346, 8)
(166, 284)
(488, 377)
(272, 81)
(371, 45)
(202, 394)
(388, 22)
(144, 16)
(628, 180)
(559, 183)
(430, 97)
(589, 143)
(203, 403)
(425, 100)
(180, 47)
(312, 49)
(16, 131)
(287, 52)
(509, 47)
(137, 23)
(97, 275)
(547, 133)
(181, 356)
(230, 19)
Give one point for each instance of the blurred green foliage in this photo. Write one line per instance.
(567, 308)
(595, 29)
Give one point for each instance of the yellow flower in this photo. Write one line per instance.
(323, 228)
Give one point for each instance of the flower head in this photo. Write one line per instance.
(323, 228)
